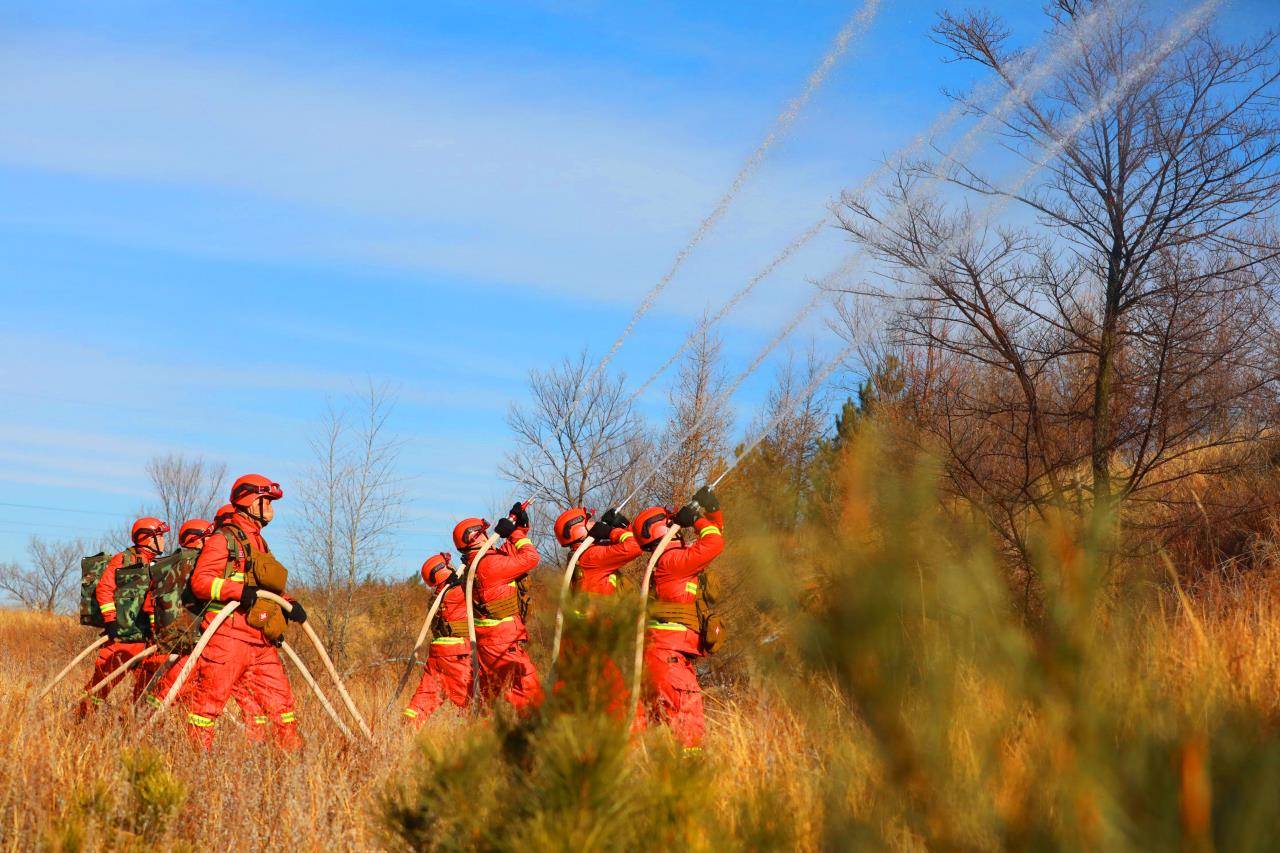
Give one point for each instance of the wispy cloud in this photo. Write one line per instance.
(425, 171)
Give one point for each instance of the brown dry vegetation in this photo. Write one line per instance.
(882, 689)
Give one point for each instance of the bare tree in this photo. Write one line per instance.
(781, 466)
(1128, 332)
(697, 433)
(187, 488)
(352, 501)
(50, 583)
(578, 443)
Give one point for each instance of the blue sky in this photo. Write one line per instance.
(214, 216)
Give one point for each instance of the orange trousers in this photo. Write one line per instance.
(229, 663)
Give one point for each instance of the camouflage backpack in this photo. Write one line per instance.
(91, 569)
(178, 611)
(132, 580)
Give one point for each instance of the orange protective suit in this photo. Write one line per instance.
(114, 653)
(596, 575)
(674, 695)
(448, 675)
(238, 654)
(256, 719)
(505, 666)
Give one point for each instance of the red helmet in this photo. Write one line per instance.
(193, 529)
(572, 525)
(223, 515)
(434, 566)
(469, 533)
(149, 526)
(651, 525)
(250, 487)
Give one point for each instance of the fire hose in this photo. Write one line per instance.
(213, 627)
(121, 669)
(221, 616)
(88, 650)
(565, 583)
(471, 613)
(413, 655)
(324, 657)
(315, 688)
(644, 600)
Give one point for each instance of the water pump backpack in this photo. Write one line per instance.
(178, 611)
(91, 569)
(132, 581)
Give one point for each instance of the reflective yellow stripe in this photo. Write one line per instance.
(708, 530)
(152, 700)
(667, 626)
(288, 717)
(108, 608)
(489, 623)
(214, 608)
(409, 712)
(215, 590)
(624, 537)
(613, 580)
(691, 588)
(202, 722)
(450, 641)
(522, 543)
(261, 719)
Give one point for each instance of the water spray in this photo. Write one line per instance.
(1003, 197)
(853, 28)
(959, 151)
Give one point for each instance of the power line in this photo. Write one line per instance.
(63, 509)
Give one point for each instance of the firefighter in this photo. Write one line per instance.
(596, 579)
(448, 671)
(501, 602)
(232, 564)
(125, 603)
(681, 627)
(192, 534)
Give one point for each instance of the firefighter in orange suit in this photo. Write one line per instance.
(679, 630)
(240, 653)
(447, 676)
(501, 602)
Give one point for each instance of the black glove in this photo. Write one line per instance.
(297, 614)
(614, 518)
(519, 515)
(706, 499)
(687, 515)
(504, 528)
(248, 598)
(600, 531)
(112, 630)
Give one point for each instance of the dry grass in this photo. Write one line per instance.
(880, 692)
(66, 784)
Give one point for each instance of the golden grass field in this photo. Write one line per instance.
(788, 762)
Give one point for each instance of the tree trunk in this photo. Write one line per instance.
(1101, 438)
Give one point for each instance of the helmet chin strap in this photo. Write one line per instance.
(257, 516)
